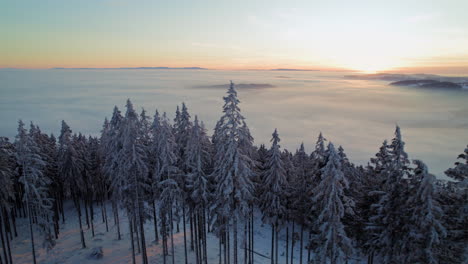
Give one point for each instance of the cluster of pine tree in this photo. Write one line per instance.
(163, 173)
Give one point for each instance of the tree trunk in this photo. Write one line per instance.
(91, 217)
(13, 221)
(191, 231)
(200, 235)
(85, 201)
(252, 251)
(135, 226)
(235, 239)
(6, 248)
(220, 250)
(156, 236)
(172, 238)
(276, 246)
(63, 210)
(130, 225)
(4, 241)
(78, 209)
(31, 232)
(272, 255)
(143, 242)
(204, 235)
(287, 242)
(117, 220)
(301, 244)
(292, 243)
(308, 247)
(245, 241)
(185, 234)
(197, 238)
(104, 208)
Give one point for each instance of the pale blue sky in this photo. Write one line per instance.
(361, 35)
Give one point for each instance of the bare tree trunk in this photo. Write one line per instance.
(228, 246)
(191, 231)
(135, 228)
(220, 250)
(31, 232)
(245, 241)
(143, 242)
(292, 243)
(85, 201)
(130, 225)
(235, 239)
(13, 221)
(78, 209)
(301, 244)
(197, 238)
(104, 208)
(91, 217)
(117, 220)
(252, 251)
(156, 236)
(164, 236)
(204, 235)
(200, 235)
(6, 248)
(287, 242)
(250, 243)
(172, 238)
(185, 234)
(276, 245)
(308, 248)
(4, 241)
(63, 210)
(272, 254)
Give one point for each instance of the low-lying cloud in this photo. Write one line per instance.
(238, 86)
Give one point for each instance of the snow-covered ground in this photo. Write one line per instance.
(68, 248)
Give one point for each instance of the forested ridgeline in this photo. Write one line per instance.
(164, 172)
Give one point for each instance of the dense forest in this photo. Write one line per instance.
(173, 175)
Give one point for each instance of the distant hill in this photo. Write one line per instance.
(417, 80)
(428, 84)
(284, 69)
(135, 68)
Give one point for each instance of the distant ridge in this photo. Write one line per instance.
(134, 68)
(285, 69)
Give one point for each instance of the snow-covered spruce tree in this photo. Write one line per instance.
(81, 147)
(164, 149)
(182, 129)
(352, 220)
(390, 216)
(35, 185)
(331, 242)
(233, 169)
(317, 161)
(287, 158)
(198, 153)
(71, 168)
(48, 152)
(111, 145)
(96, 180)
(452, 197)
(373, 179)
(153, 160)
(273, 199)
(132, 179)
(425, 228)
(460, 171)
(302, 193)
(7, 192)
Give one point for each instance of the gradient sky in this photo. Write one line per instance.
(244, 34)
